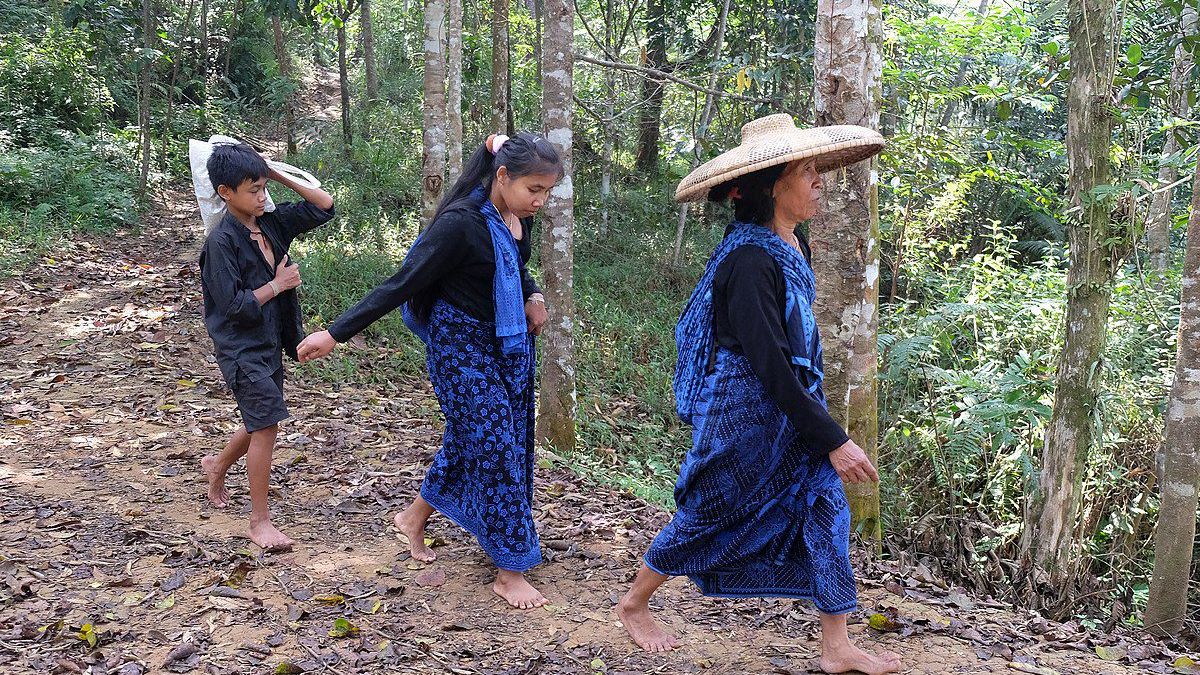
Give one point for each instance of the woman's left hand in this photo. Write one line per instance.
(535, 313)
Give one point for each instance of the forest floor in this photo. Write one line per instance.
(112, 560)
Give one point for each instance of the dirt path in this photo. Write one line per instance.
(111, 560)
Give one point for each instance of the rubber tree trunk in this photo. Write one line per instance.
(556, 417)
(1158, 225)
(653, 88)
(1049, 541)
(284, 58)
(433, 138)
(500, 62)
(848, 71)
(344, 86)
(454, 47)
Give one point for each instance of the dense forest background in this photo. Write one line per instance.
(978, 221)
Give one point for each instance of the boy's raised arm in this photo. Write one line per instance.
(315, 196)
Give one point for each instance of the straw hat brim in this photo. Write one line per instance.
(832, 147)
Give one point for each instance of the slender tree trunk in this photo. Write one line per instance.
(367, 28)
(500, 72)
(848, 72)
(433, 163)
(556, 419)
(610, 84)
(454, 45)
(285, 69)
(148, 34)
(1167, 605)
(344, 85)
(539, 13)
(1049, 539)
(653, 87)
(702, 128)
(961, 76)
(1158, 226)
(168, 126)
(204, 61)
(233, 31)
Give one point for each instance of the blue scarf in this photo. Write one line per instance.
(694, 333)
(507, 293)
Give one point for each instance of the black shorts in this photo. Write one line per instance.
(261, 403)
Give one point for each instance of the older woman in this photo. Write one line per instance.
(761, 507)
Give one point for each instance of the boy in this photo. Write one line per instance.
(252, 314)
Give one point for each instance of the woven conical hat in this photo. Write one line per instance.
(774, 139)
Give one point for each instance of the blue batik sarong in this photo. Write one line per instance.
(759, 514)
(482, 478)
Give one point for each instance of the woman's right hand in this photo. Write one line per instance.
(315, 346)
(852, 464)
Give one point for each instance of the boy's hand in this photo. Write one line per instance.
(287, 276)
(535, 313)
(315, 346)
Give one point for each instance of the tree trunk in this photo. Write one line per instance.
(144, 99)
(1048, 541)
(610, 85)
(204, 58)
(1158, 226)
(1167, 605)
(285, 69)
(454, 45)
(963, 66)
(367, 27)
(848, 74)
(702, 128)
(556, 418)
(539, 13)
(500, 72)
(168, 126)
(344, 86)
(233, 31)
(653, 87)
(433, 162)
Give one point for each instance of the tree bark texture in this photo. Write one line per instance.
(433, 162)
(1049, 540)
(848, 72)
(556, 417)
(1173, 541)
(454, 47)
(1158, 226)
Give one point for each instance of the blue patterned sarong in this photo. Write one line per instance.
(758, 513)
(482, 478)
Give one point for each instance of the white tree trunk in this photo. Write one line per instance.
(433, 139)
(848, 69)
(500, 73)
(454, 44)
(1167, 605)
(556, 418)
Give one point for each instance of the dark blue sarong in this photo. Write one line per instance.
(759, 514)
(482, 478)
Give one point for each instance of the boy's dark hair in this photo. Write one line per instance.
(754, 203)
(232, 164)
(523, 154)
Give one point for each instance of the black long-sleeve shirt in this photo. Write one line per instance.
(248, 335)
(749, 305)
(453, 260)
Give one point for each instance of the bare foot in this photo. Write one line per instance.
(850, 658)
(513, 587)
(414, 531)
(642, 627)
(269, 538)
(217, 493)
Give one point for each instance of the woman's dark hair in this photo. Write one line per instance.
(232, 164)
(754, 203)
(523, 155)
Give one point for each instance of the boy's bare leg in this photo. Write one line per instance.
(516, 590)
(258, 465)
(839, 655)
(216, 466)
(634, 612)
(411, 523)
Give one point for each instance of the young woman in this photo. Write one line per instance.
(467, 294)
(761, 508)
